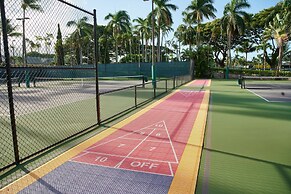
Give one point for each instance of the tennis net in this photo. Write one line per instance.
(257, 82)
(118, 81)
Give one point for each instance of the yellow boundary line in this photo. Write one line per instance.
(190, 83)
(209, 83)
(41, 171)
(186, 175)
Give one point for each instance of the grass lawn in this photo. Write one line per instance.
(247, 145)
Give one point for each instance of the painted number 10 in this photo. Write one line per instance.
(101, 159)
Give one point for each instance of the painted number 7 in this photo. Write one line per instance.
(152, 148)
(121, 145)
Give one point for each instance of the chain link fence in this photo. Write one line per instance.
(47, 95)
(44, 38)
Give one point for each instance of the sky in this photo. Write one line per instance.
(41, 23)
(141, 8)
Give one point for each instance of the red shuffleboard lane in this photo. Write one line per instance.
(152, 143)
(200, 83)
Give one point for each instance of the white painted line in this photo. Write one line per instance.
(170, 166)
(123, 169)
(78, 156)
(119, 164)
(121, 137)
(188, 93)
(171, 142)
(114, 155)
(259, 95)
(163, 141)
(90, 148)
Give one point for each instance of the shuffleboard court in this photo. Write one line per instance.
(155, 147)
(200, 83)
(153, 152)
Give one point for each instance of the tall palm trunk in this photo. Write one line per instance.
(280, 44)
(116, 51)
(159, 42)
(142, 47)
(229, 55)
(179, 52)
(229, 50)
(198, 36)
(161, 46)
(146, 51)
(80, 48)
(265, 56)
(130, 50)
(23, 40)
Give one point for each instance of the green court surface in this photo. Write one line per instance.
(247, 147)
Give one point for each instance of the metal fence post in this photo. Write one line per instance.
(166, 85)
(96, 59)
(135, 97)
(155, 86)
(9, 82)
(174, 82)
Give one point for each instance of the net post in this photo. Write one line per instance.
(9, 82)
(96, 59)
(154, 86)
(166, 85)
(143, 81)
(135, 96)
(174, 82)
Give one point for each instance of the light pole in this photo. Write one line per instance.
(23, 40)
(24, 51)
(153, 46)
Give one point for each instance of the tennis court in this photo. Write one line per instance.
(62, 91)
(271, 89)
(247, 143)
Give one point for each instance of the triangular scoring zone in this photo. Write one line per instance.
(155, 133)
(187, 93)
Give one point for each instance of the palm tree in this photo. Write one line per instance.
(187, 35)
(197, 11)
(82, 29)
(179, 35)
(119, 23)
(164, 17)
(277, 29)
(264, 46)
(127, 38)
(39, 40)
(246, 47)
(143, 27)
(48, 42)
(33, 5)
(233, 22)
(11, 32)
(165, 31)
(31, 44)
